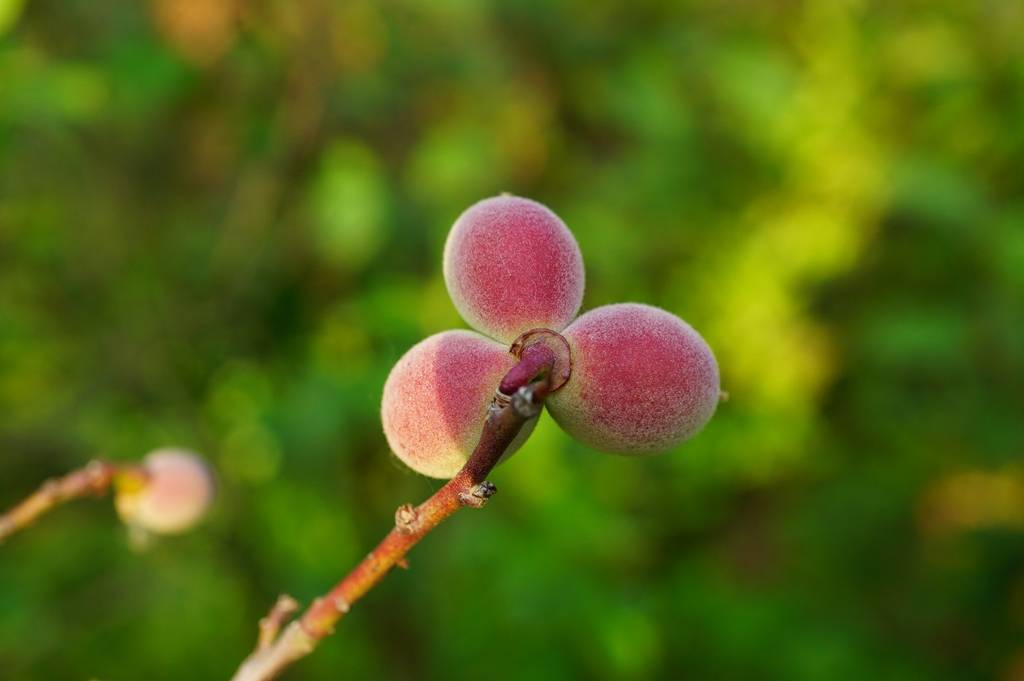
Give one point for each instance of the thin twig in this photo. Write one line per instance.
(270, 625)
(469, 487)
(92, 480)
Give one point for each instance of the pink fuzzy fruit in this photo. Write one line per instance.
(436, 399)
(512, 265)
(174, 492)
(642, 380)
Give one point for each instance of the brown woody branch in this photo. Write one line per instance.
(522, 399)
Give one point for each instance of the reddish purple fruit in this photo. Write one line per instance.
(174, 492)
(642, 380)
(626, 378)
(436, 399)
(512, 265)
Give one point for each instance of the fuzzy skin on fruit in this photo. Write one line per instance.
(177, 491)
(436, 399)
(512, 265)
(642, 381)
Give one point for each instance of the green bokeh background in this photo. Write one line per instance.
(221, 223)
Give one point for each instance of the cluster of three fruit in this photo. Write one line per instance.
(642, 380)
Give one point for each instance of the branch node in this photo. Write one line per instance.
(271, 624)
(98, 474)
(405, 518)
(299, 640)
(477, 495)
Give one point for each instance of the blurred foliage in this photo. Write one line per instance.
(221, 223)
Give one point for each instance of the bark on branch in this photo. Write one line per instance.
(521, 397)
(92, 480)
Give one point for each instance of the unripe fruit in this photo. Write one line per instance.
(174, 491)
(512, 265)
(436, 399)
(642, 380)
